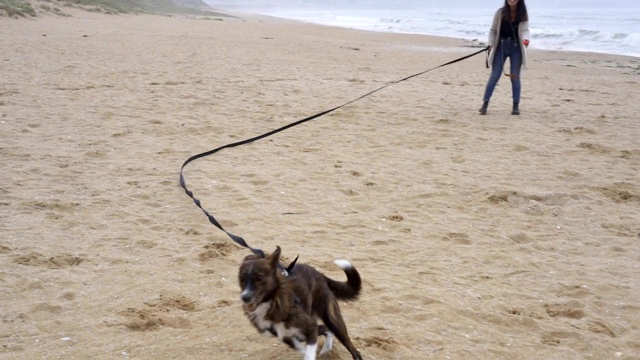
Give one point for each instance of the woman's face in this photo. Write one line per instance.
(512, 2)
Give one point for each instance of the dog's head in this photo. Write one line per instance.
(259, 279)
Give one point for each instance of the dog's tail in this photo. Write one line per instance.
(350, 289)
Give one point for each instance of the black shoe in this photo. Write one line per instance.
(483, 109)
(516, 110)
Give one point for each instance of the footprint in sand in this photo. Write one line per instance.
(531, 312)
(518, 198)
(349, 192)
(52, 262)
(629, 154)
(554, 338)
(55, 205)
(216, 250)
(577, 130)
(148, 320)
(161, 312)
(595, 148)
(572, 309)
(533, 204)
(624, 230)
(598, 327)
(384, 343)
(44, 311)
(550, 340)
(458, 238)
(573, 291)
(621, 192)
(521, 238)
(395, 218)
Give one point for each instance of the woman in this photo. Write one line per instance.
(509, 32)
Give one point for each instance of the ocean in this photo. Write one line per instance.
(611, 27)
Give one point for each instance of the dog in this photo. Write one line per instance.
(288, 305)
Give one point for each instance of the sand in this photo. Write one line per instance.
(477, 237)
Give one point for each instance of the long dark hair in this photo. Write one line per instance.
(521, 11)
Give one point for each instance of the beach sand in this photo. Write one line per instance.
(477, 237)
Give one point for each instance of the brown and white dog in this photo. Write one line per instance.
(289, 305)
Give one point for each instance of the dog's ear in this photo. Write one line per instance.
(274, 258)
(252, 257)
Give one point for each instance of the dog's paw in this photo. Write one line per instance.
(328, 343)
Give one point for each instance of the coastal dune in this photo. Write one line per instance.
(477, 237)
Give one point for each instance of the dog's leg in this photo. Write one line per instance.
(294, 344)
(328, 343)
(310, 351)
(333, 320)
(279, 330)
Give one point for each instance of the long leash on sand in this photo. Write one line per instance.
(239, 240)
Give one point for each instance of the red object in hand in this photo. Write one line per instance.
(525, 42)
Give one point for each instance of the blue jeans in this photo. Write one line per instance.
(507, 48)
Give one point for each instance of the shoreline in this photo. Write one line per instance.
(517, 235)
(320, 17)
(473, 42)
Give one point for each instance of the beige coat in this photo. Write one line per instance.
(494, 36)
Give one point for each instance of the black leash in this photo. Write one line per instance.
(239, 240)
